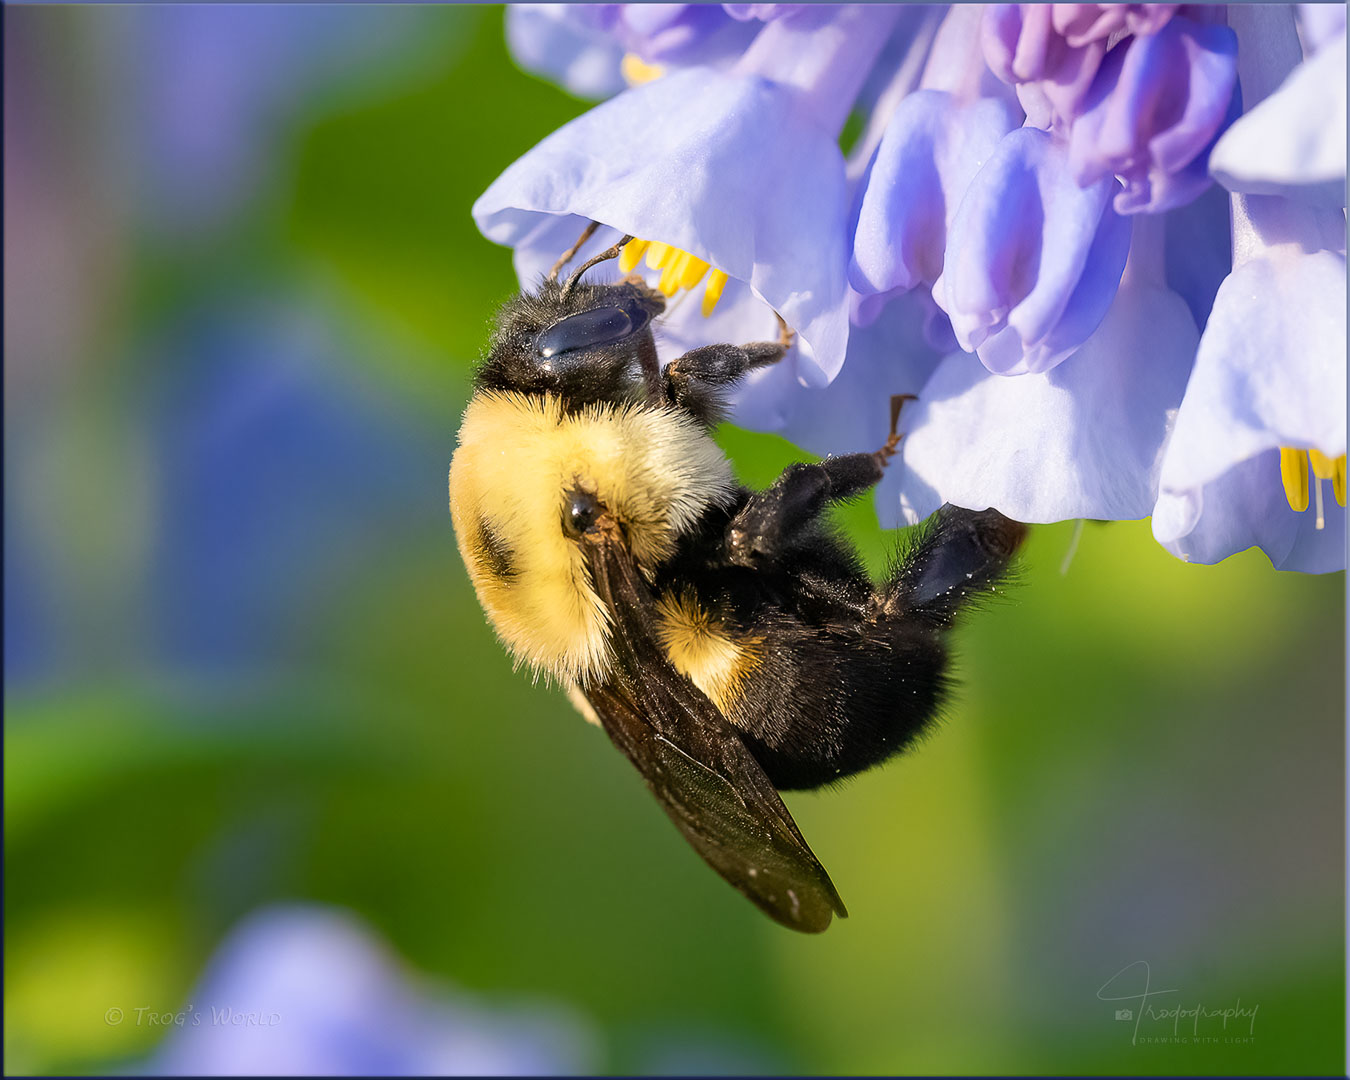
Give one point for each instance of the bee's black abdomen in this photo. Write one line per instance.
(849, 700)
(837, 690)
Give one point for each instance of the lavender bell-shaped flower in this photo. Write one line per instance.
(1032, 259)
(1293, 143)
(1147, 110)
(1265, 405)
(562, 42)
(1024, 48)
(595, 50)
(934, 143)
(1155, 107)
(1084, 439)
(684, 162)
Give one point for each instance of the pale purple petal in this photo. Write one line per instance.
(825, 53)
(762, 12)
(932, 149)
(1082, 440)
(1022, 46)
(581, 46)
(1246, 507)
(551, 40)
(956, 62)
(1156, 105)
(680, 34)
(1320, 24)
(1293, 142)
(1031, 253)
(1081, 23)
(1270, 370)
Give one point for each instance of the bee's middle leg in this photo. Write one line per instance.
(775, 518)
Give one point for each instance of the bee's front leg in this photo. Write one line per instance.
(697, 381)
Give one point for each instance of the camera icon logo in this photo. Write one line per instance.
(1124, 1014)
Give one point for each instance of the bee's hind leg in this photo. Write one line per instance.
(775, 517)
(957, 556)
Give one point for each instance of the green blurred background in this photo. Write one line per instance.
(245, 667)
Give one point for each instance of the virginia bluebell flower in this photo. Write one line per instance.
(1026, 235)
(1293, 142)
(205, 120)
(696, 182)
(302, 990)
(1265, 406)
(594, 50)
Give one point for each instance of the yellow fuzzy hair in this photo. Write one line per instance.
(697, 643)
(655, 469)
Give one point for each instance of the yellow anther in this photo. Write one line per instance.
(1322, 466)
(636, 71)
(1338, 480)
(679, 269)
(657, 254)
(693, 272)
(717, 281)
(1294, 473)
(670, 275)
(631, 254)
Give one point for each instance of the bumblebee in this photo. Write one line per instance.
(729, 642)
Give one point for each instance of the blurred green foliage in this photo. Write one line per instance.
(1143, 761)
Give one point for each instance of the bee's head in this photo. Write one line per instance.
(584, 343)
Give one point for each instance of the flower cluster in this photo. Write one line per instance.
(1025, 232)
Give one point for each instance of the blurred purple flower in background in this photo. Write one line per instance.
(309, 991)
(1041, 176)
(261, 410)
(213, 84)
(190, 489)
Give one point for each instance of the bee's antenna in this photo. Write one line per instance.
(608, 253)
(570, 253)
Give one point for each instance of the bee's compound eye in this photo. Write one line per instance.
(580, 512)
(587, 330)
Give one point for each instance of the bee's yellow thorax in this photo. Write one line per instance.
(519, 455)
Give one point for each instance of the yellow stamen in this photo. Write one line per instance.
(1322, 466)
(1338, 480)
(694, 269)
(657, 254)
(670, 276)
(1294, 473)
(717, 281)
(637, 71)
(631, 254)
(679, 269)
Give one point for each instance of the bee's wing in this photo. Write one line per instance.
(694, 761)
